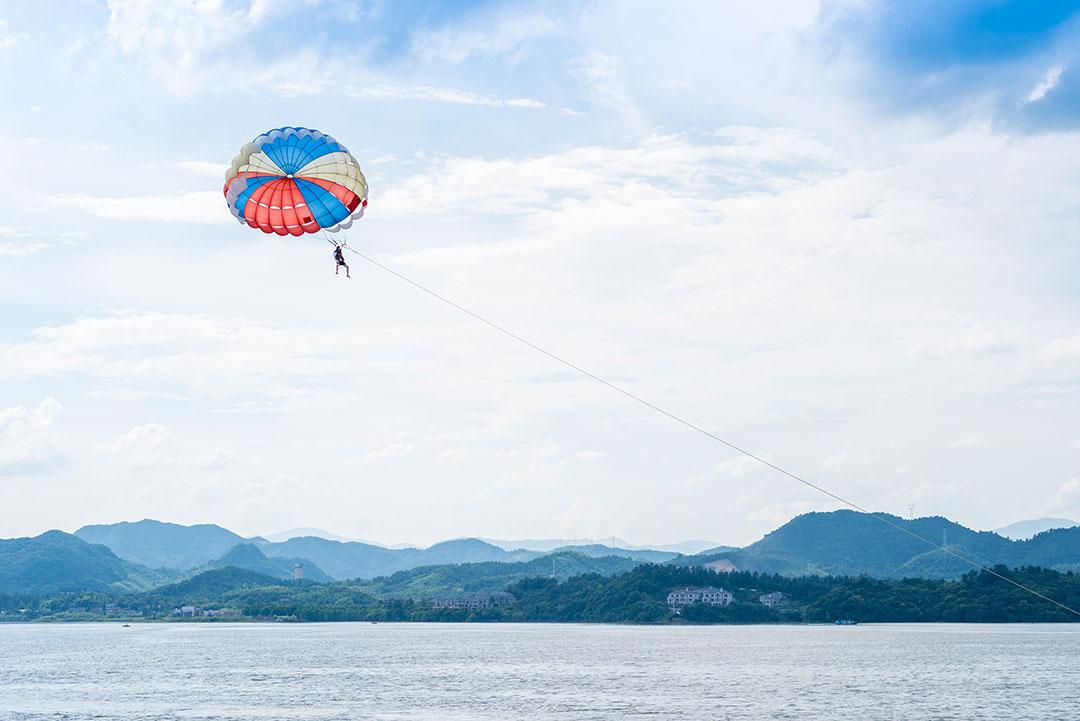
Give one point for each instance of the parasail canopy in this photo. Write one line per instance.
(293, 181)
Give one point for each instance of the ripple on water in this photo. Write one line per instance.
(444, 672)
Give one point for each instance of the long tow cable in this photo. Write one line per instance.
(694, 427)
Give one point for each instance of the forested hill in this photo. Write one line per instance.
(57, 561)
(636, 596)
(247, 556)
(851, 543)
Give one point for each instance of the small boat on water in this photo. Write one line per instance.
(126, 625)
(846, 622)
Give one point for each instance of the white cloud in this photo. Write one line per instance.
(608, 90)
(977, 339)
(1067, 496)
(202, 167)
(9, 39)
(390, 91)
(1048, 83)
(590, 455)
(848, 461)
(161, 351)
(206, 207)
(181, 43)
(193, 47)
(140, 439)
(392, 452)
(27, 439)
(741, 160)
(456, 454)
(1062, 349)
(212, 459)
(507, 36)
(525, 472)
(967, 441)
(18, 241)
(739, 467)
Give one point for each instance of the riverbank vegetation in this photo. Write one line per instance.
(636, 596)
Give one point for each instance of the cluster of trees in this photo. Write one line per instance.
(636, 596)
(976, 597)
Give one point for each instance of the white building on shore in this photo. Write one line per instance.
(709, 595)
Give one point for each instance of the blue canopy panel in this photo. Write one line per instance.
(327, 210)
(293, 151)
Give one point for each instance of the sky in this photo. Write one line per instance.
(840, 234)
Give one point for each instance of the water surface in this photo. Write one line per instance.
(422, 672)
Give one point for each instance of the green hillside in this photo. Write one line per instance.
(489, 576)
(850, 543)
(213, 584)
(56, 561)
(248, 556)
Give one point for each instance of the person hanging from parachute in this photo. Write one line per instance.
(340, 258)
(297, 181)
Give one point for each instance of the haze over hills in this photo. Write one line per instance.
(185, 548)
(280, 536)
(135, 555)
(163, 545)
(1023, 530)
(550, 544)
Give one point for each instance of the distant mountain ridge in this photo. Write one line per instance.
(850, 543)
(163, 545)
(279, 536)
(187, 548)
(148, 554)
(1023, 530)
(551, 544)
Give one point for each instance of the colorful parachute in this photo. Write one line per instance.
(292, 181)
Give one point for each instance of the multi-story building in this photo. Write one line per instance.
(775, 599)
(473, 601)
(699, 594)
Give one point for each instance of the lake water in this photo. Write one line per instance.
(421, 672)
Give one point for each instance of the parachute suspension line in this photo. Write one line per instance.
(708, 434)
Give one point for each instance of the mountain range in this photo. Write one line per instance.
(149, 554)
(182, 548)
(550, 544)
(886, 546)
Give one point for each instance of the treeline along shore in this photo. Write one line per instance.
(647, 594)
